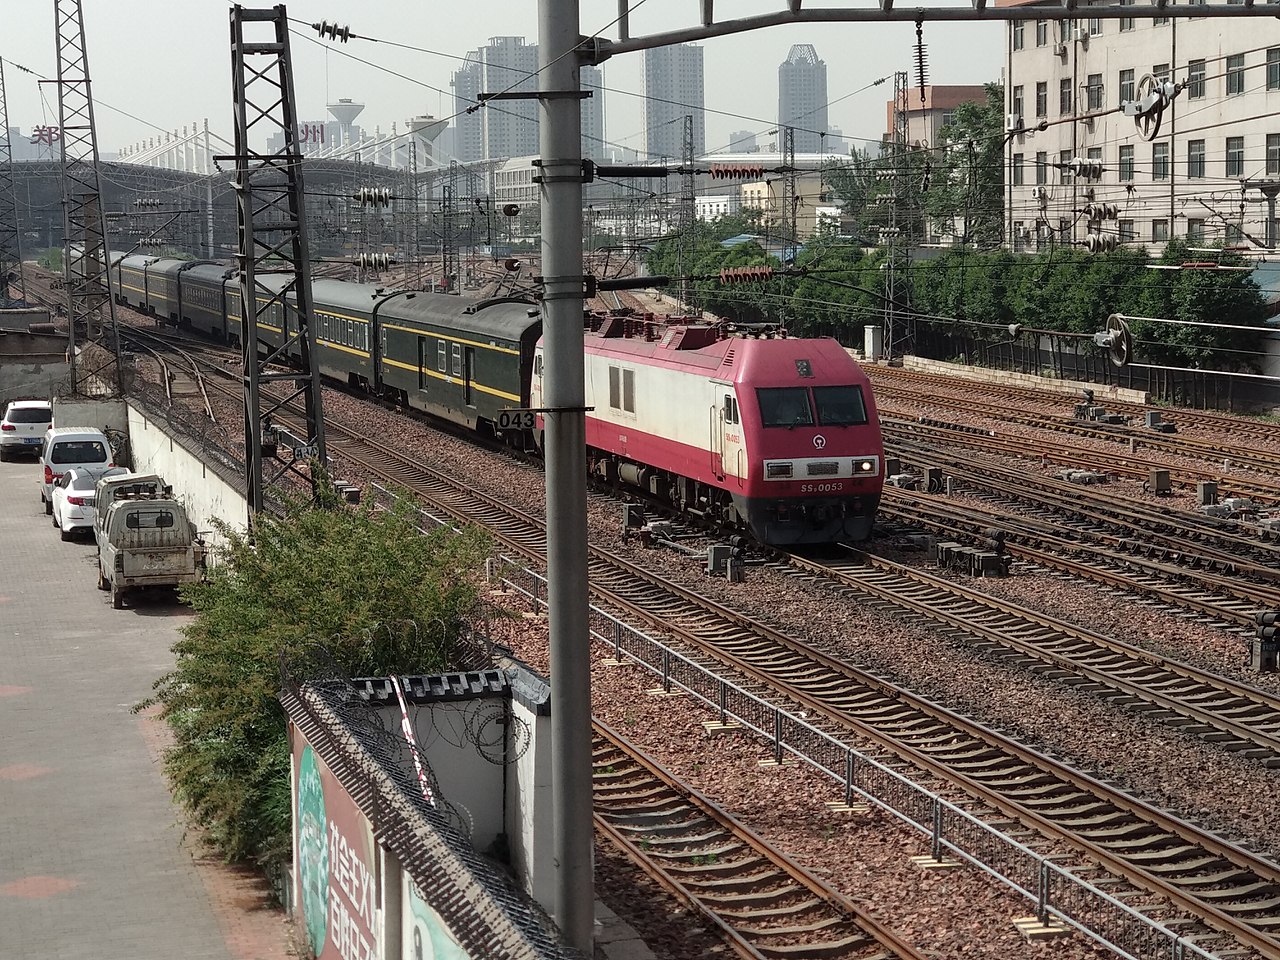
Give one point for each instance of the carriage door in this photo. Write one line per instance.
(468, 372)
(422, 363)
(717, 426)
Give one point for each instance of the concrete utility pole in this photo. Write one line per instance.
(560, 111)
(10, 234)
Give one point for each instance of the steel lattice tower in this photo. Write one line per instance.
(449, 231)
(790, 192)
(271, 217)
(84, 262)
(10, 235)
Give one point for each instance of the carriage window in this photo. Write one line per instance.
(730, 409)
(839, 406)
(629, 391)
(441, 363)
(784, 407)
(457, 359)
(615, 388)
(537, 365)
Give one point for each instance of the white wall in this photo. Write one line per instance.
(202, 491)
(529, 810)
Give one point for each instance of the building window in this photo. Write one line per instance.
(1273, 154)
(1042, 33)
(1159, 21)
(1161, 72)
(1064, 171)
(1126, 85)
(1042, 99)
(1017, 169)
(1160, 161)
(1015, 104)
(1127, 233)
(1064, 96)
(1159, 231)
(1094, 154)
(1235, 156)
(1126, 23)
(1094, 91)
(1195, 159)
(1195, 79)
(1095, 27)
(1042, 168)
(1065, 30)
(1235, 74)
(1064, 229)
(1126, 162)
(1195, 228)
(1018, 26)
(1273, 68)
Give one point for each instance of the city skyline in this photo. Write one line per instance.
(187, 78)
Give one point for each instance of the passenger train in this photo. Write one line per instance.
(770, 433)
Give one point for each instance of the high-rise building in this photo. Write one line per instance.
(468, 131)
(593, 113)
(802, 97)
(502, 128)
(674, 89)
(742, 141)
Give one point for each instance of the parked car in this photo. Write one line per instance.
(75, 500)
(66, 448)
(120, 483)
(23, 426)
(147, 541)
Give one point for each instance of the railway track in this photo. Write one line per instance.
(917, 383)
(1220, 599)
(1235, 716)
(1187, 538)
(763, 905)
(1222, 883)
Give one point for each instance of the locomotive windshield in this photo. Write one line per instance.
(785, 407)
(840, 406)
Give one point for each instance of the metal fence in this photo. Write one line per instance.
(1055, 891)
(952, 832)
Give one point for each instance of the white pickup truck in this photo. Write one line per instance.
(147, 541)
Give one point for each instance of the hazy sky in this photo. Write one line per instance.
(167, 62)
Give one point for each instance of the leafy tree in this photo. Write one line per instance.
(865, 185)
(965, 198)
(364, 583)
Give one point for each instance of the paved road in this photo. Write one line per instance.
(92, 861)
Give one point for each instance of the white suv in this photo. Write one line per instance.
(23, 426)
(66, 448)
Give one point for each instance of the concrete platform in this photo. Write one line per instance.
(92, 857)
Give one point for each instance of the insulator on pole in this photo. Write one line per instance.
(332, 31)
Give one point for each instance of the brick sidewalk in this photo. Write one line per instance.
(94, 861)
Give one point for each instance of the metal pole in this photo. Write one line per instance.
(562, 305)
(208, 193)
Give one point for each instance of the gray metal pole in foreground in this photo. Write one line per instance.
(561, 196)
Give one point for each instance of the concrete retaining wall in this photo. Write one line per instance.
(205, 489)
(27, 377)
(1101, 391)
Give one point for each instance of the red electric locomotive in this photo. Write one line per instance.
(775, 434)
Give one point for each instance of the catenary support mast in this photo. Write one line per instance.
(10, 235)
(272, 226)
(84, 261)
(563, 393)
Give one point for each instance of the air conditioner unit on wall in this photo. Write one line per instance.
(1013, 123)
(1060, 49)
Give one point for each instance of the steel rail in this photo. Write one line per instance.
(630, 800)
(1021, 781)
(1178, 688)
(1234, 604)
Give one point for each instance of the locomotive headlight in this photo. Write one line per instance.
(864, 466)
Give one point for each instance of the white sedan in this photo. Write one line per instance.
(73, 507)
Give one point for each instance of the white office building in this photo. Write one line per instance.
(1204, 175)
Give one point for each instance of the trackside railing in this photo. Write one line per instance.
(1056, 892)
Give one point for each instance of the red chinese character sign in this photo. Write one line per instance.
(46, 135)
(337, 885)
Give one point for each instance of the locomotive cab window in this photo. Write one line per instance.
(730, 409)
(840, 406)
(784, 407)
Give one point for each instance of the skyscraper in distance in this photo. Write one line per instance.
(593, 113)
(802, 97)
(673, 86)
